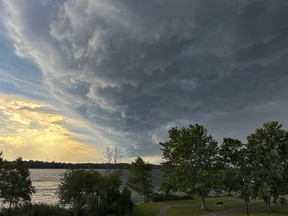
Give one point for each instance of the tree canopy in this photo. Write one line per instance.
(15, 184)
(90, 191)
(230, 158)
(140, 179)
(267, 156)
(190, 163)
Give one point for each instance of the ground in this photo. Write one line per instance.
(192, 208)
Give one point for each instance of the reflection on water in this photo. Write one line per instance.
(46, 182)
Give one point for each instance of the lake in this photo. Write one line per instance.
(46, 182)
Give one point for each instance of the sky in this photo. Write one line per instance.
(77, 76)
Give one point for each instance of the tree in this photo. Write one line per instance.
(236, 172)
(77, 185)
(15, 184)
(267, 156)
(114, 155)
(125, 204)
(111, 191)
(108, 154)
(190, 161)
(89, 191)
(140, 179)
(231, 157)
(230, 152)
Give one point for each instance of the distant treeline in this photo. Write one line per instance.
(59, 165)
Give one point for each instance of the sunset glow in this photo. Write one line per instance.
(29, 130)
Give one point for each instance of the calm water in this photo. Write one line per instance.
(46, 182)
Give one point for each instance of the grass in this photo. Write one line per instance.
(261, 212)
(229, 202)
(151, 209)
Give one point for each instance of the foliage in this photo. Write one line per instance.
(140, 179)
(15, 184)
(110, 192)
(267, 156)
(60, 165)
(230, 152)
(39, 210)
(125, 204)
(89, 192)
(190, 161)
(231, 158)
(77, 185)
(230, 180)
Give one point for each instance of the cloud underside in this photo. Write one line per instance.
(134, 68)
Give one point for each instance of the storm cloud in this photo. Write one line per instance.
(133, 69)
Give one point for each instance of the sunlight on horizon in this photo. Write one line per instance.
(30, 130)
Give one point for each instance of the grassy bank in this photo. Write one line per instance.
(151, 209)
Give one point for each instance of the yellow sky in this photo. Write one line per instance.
(31, 130)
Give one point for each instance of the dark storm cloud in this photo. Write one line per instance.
(136, 68)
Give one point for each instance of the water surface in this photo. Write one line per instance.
(46, 182)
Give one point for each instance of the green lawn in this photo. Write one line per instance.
(275, 211)
(229, 202)
(151, 209)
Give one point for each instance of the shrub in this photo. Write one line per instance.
(38, 210)
(125, 204)
(90, 193)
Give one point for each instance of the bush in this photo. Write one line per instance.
(90, 193)
(125, 204)
(169, 197)
(38, 210)
(283, 201)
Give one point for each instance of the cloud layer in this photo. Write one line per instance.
(133, 69)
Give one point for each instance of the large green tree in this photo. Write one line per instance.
(267, 158)
(190, 163)
(15, 184)
(140, 179)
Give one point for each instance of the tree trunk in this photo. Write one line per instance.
(229, 191)
(247, 208)
(203, 204)
(10, 205)
(267, 203)
(9, 210)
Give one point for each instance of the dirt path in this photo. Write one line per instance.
(163, 210)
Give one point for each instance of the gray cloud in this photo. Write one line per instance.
(135, 68)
